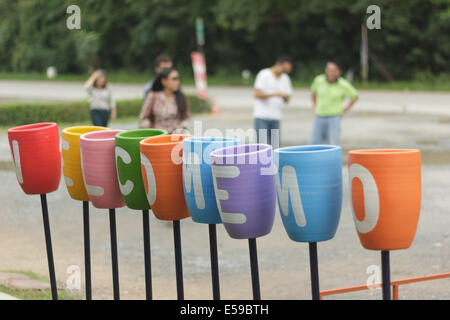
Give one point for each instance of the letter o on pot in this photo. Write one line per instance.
(385, 187)
(161, 159)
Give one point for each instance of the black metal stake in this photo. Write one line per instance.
(214, 261)
(48, 244)
(178, 259)
(147, 255)
(386, 275)
(254, 268)
(314, 268)
(114, 260)
(87, 250)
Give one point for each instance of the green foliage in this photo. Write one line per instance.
(129, 34)
(18, 113)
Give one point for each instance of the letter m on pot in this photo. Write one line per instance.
(288, 189)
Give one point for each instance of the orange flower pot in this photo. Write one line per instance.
(385, 187)
(162, 165)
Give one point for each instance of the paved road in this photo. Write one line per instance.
(283, 264)
(437, 103)
(284, 267)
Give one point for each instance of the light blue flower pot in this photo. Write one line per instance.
(309, 191)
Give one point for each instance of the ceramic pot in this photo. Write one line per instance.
(385, 187)
(309, 191)
(197, 177)
(37, 157)
(98, 160)
(128, 161)
(162, 162)
(70, 149)
(244, 185)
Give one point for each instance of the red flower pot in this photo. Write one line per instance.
(37, 157)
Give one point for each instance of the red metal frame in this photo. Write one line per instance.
(395, 285)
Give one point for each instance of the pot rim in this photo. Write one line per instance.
(122, 135)
(153, 141)
(308, 148)
(215, 154)
(381, 152)
(87, 136)
(211, 139)
(72, 130)
(32, 127)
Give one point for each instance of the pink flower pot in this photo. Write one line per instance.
(98, 161)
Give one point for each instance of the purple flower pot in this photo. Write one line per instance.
(244, 184)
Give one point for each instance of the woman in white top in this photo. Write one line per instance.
(103, 105)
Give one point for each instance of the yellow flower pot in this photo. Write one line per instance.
(70, 149)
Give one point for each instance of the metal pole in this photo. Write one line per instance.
(214, 261)
(147, 254)
(314, 269)
(87, 251)
(178, 259)
(48, 244)
(114, 260)
(254, 268)
(364, 53)
(386, 275)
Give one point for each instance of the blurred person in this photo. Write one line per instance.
(329, 92)
(103, 105)
(166, 107)
(272, 89)
(162, 61)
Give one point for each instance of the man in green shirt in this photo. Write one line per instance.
(329, 92)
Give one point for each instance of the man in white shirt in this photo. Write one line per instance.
(273, 88)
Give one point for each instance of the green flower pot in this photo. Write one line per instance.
(128, 161)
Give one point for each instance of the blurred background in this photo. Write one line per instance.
(124, 37)
(401, 71)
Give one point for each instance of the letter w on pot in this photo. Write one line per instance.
(288, 188)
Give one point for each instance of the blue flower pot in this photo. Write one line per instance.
(309, 191)
(197, 177)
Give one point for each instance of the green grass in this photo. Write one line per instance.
(75, 112)
(32, 294)
(439, 83)
(113, 77)
(124, 77)
(29, 274)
